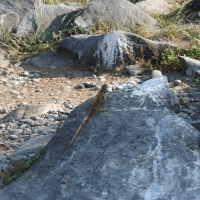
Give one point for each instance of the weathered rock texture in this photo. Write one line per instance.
(45, 18)
(156, 6)
(9, 21)
(113, 48)
(193, 5)
(136, 149)
(191, 67)
(122, 12)
(33, 145)
(19, 6)
(49, 59)
(27, 111)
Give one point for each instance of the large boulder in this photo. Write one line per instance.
(18, 6)
(138, 148)
(11, 12)
(191, 67)
(45, 19)
(193, 5)
(33, 145)
(29, 110)
(113, 48)
(49, 59)
(122, 12)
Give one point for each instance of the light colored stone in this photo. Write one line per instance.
(79, 86)
(89, 84)
(62, 117)
(122, 14)
(134, 70)
(156, 6)
(16, 131)
(38, 90)
(191, 66)
(156, 73)
(15, 92)
(3, 111)
(13, 137)
(9, 21)
(177, 82)
(68, 105)
(53, 67)
(26, 111)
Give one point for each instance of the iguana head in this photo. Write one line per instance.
(104, 87)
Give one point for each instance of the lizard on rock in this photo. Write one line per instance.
(94, 105)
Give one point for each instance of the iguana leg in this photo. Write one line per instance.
(99, 108)
(104, 98)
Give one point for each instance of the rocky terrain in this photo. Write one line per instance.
(38, 95)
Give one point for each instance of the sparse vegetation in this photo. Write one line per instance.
(19, 168)
(83, 2)
(197, 80)
(170, 59)
(171, 28)
(29, 45)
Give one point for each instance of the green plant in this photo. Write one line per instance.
(19, 167)
(29, 45)
(197, 81)
(170, 59)
(101, 26)
(32, 44)
(173, 27)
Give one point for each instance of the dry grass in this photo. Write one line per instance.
(171, 26)
(53, 2)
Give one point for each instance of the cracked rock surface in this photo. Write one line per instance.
(138, 148)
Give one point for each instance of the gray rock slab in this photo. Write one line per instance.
(136, 149)
(156, 73)
(13, 137)
(19, 6)
(49, 59)
(156, 6)
(33, 145)
(89, 84)
(196, 124)
(15, 131)
(27, 111)
(175, 102)
(121, 12)
(177, 82)
(190, 66)
(9, 21)
(45, 19)
(134, 70)
(113, 48)
(175, 76)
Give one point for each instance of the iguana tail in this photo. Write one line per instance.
(79, 128)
